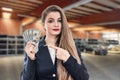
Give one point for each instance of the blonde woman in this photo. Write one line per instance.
(58, 57)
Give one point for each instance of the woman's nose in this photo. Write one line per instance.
(56, 24)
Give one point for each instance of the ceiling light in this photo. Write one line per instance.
(7, 9)
(6, 15)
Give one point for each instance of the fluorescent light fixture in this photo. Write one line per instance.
(6, 15)
(7, 9)
(27, 16)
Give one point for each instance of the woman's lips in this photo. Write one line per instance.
(56, 29)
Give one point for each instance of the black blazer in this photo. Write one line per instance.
(42, 68)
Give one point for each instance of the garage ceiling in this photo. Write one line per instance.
(26, 8)
(85, 12)
(95, 11)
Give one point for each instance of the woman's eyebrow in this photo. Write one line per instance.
(50, 18)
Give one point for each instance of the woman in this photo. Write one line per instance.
(57, 57)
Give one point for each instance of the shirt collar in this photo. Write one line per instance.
(42, 41)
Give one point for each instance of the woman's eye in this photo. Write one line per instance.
(60, 20)
(50, 21)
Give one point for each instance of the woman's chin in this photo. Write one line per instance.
(55, 34)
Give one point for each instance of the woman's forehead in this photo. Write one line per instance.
(53, 15)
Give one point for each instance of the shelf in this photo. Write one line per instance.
(11, 44)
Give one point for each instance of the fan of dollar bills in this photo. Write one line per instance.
(32, 35)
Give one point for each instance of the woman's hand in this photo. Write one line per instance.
(30, 50)
(61, 54)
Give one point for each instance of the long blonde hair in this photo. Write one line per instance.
(65, 41)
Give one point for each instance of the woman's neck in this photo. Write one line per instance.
(50, 40)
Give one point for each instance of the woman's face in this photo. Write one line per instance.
(53, 23)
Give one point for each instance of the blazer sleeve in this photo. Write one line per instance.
(77, 71)
(28, 72)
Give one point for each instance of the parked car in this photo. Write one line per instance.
(100, 50)
(80, 44)
(90, 45)
(96, 46)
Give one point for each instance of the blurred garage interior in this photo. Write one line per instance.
(95, 25)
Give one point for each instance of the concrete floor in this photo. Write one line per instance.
(10, 67)
(99, 67)
(103, 67)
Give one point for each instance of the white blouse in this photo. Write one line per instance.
(52, 54)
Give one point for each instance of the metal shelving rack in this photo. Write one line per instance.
(11, 45)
